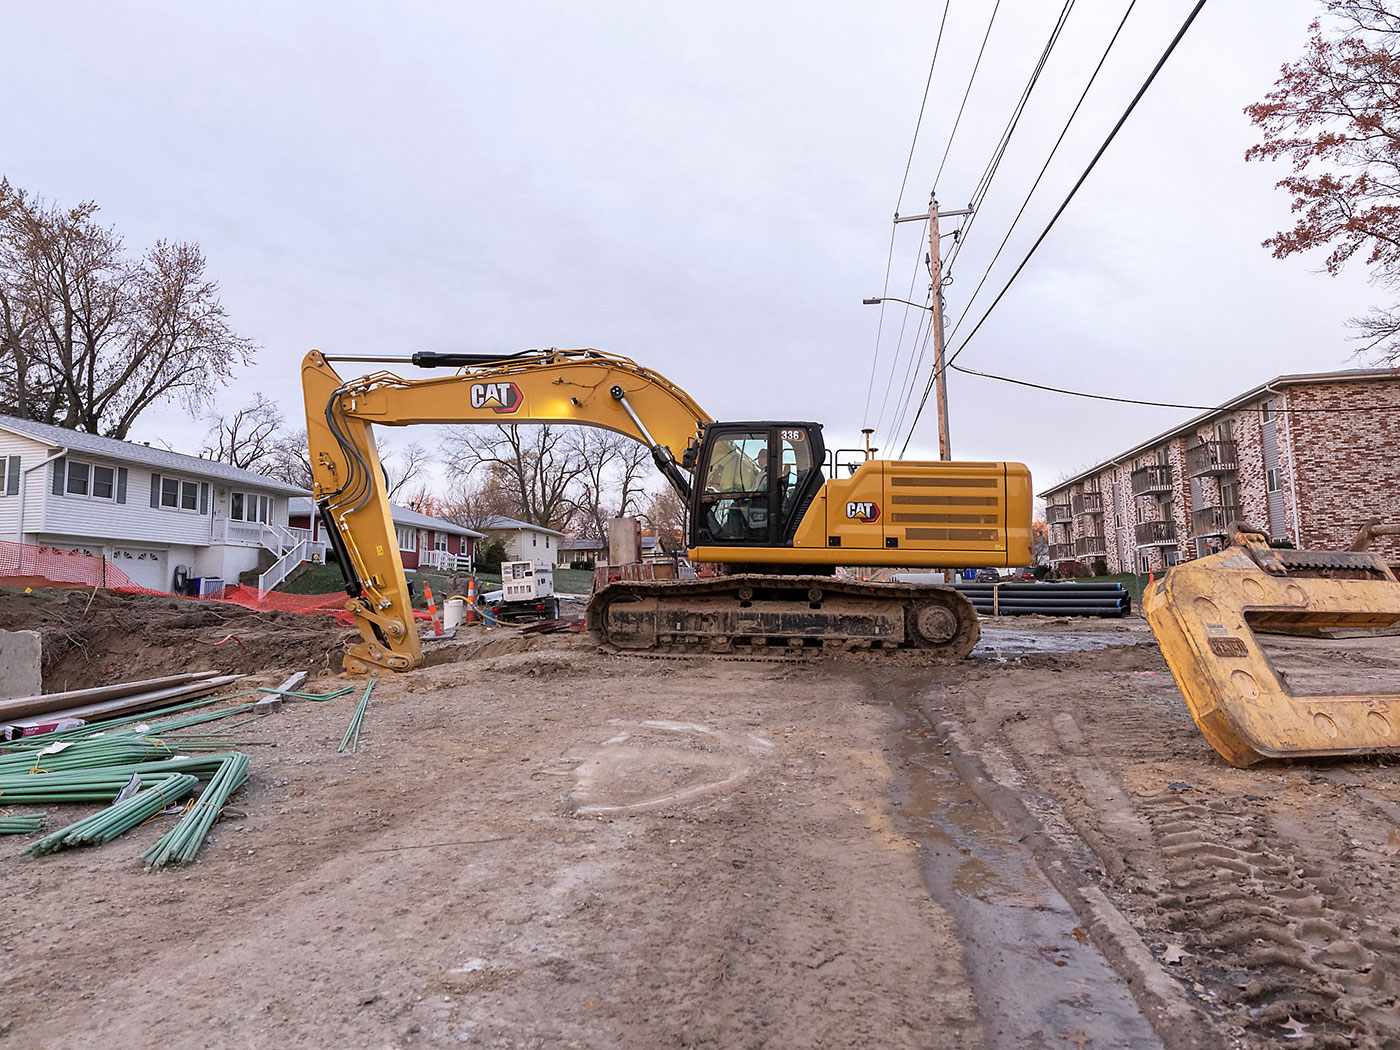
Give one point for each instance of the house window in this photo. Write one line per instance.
(408, 539)
(104, 482)
(534, 540)
(440, 541)
(88, 479)
(1266, 412)
(1271, 480)
(189, 495)
(249, 506)
(78, 479)
(170, 492)
(9, 475)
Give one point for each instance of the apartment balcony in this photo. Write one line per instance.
(1062, 552)
(1087, 503)
(1147, 480)
(1211, 457)
(1214, 521)
(1058, 513)
(1156, 534)
(1092, 546)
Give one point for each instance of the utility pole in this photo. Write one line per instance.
(935, 265)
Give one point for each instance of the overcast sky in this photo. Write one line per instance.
(705, 188)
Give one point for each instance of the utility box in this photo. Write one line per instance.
(527, 592)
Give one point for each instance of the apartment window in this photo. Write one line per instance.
(1271, 480)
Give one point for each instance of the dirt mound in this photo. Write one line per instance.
(90, 638)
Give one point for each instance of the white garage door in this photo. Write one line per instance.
(145, 566)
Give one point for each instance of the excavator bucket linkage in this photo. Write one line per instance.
(1205, 614)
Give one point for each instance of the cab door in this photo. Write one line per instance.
(753, 482)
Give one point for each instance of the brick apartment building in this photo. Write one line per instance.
(1269, 457)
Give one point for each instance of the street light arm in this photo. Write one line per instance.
(891, 299)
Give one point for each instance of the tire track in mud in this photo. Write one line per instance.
(1273, 939)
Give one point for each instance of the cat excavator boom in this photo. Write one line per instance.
(764, 501)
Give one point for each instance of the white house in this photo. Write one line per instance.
(154, 514)
(523, 541)
(425, 542)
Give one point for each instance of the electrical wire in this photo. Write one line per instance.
(889, 259)
(984, 183)
(1044, 168)
(970, 79)
(1166, 404)
(1190, 18)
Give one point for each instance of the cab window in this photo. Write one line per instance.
(797, 465)
(734, 499)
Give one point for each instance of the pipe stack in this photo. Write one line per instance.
(1047, 599)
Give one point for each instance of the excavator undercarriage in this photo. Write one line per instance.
(792, 617)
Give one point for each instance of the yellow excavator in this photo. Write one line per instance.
(765, 502)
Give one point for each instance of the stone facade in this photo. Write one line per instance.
(1337, 437)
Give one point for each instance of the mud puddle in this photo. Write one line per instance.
(1011, 641)
(1038, 980)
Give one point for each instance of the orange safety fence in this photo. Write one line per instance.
(28, 565)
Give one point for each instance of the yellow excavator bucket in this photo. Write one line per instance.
(1205, 615)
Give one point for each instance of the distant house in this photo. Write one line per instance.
(596, 551)
(523, 541)
(154, 514)
(425, 542)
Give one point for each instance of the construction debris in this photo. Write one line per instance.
(48, 719)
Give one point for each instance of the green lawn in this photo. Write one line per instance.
(323, 579)
(1134, 584)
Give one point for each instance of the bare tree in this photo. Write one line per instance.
(248, 438)
(667, 515)
(404, 465)
(289, 460)
(532, 466)
(474, 508)
(91, 338)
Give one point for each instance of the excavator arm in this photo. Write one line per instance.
(579, 387)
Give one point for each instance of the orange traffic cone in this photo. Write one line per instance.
(471, 598)
(432, 609)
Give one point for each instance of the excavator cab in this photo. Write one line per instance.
(753, 481)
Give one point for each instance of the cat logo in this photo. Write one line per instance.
(501, 398)
(866, 512)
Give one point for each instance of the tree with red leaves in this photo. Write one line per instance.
(1335, 116)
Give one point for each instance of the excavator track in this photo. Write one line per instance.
(760, 617)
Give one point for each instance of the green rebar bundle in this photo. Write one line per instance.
(107, 824)
(182, 842)
(100, 784)
(352, 731)
(22, 825)
(85, 754)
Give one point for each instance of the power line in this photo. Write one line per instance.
(1164, 404)
(889, 259)
(1044, 168)
(1180, 33)
(970, 79)
(984, 183)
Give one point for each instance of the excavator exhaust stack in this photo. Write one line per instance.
(1206, 615)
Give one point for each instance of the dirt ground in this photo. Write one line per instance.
(539, 845)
